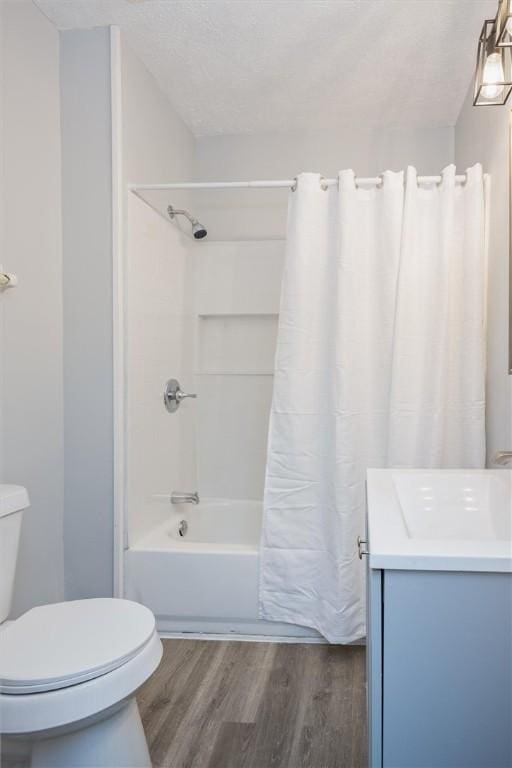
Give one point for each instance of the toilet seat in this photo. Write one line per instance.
(64, 644)
(71, 707)
(110, 674)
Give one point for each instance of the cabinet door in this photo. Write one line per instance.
(447, 695)
(374, 665)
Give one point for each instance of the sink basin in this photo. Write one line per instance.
(440, 519)
(455, 505)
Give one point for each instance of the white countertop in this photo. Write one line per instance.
(440, 519)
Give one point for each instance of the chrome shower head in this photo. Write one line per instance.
(198, 230)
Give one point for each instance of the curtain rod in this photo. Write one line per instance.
(278, 184)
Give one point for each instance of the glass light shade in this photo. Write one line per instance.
(493, 77)
(503, 32)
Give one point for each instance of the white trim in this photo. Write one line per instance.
(487, 235)
(118, 310)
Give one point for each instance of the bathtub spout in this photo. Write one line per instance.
(178, 497)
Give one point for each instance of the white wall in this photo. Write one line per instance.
(482, 135)
(367, 150)
(31, 314)
(157, 145)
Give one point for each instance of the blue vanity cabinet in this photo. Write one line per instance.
(374, 616)
(439, 668)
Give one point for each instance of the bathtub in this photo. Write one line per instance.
(205, 581)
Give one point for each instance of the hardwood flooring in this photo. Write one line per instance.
(256, 705)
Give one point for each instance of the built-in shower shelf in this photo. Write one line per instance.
(236, 345)
(233, 373)
(234, 315)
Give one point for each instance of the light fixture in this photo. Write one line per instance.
(503, 30)
(493, 78)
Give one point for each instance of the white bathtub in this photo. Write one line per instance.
(207, 580)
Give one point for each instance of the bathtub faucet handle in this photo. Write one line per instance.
(502, 457)
(178, 497)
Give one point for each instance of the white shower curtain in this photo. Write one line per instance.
(380, 362)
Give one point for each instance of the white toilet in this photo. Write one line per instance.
(69, 671)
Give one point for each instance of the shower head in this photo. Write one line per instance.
(198, 230)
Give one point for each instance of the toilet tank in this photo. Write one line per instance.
(13, 500)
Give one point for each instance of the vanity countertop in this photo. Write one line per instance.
(440, 519)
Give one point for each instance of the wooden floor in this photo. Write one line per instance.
(256, 705)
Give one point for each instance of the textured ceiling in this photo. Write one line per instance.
(246, 66)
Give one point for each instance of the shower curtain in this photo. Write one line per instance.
(380, 362)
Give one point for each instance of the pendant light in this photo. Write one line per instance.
(504, 24)
(493, 78)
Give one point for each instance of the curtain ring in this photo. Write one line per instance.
(294, 185)
(323, 184)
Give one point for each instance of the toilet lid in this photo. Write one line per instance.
(55, 646)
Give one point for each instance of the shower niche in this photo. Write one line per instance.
(234, 379)
(238, 286)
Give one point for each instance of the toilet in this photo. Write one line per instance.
(69, 671)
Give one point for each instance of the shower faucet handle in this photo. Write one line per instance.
(182, 395)
(173, 395)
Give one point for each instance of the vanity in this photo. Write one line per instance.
(439, 613)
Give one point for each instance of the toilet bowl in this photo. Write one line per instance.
(68, 676)
(69, 673)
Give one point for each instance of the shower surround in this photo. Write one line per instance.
(206, 314)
